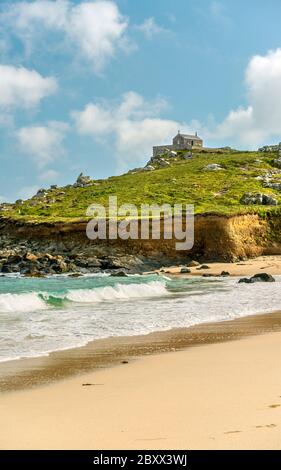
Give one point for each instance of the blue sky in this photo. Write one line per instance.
(91, 86)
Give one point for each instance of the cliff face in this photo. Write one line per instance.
(216, 237)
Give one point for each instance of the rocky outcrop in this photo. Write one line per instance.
(216, 237)
(213, 167)
(45, 248)
(83, 181)
(259, 199)
(270, 148)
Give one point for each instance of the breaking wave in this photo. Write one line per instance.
(30, 302)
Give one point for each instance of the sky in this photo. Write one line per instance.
(91, 86)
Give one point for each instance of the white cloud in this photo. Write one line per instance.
(96, 28)
(150, 28)
(131, 126)
(260, 119)
(20, 87)
(42, 143)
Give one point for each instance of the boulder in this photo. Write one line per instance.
(259, 199)
(149, 168)
(41, 192)
(277, 162)
(225, 273)
(185, 271)
(260, 277)
(269, 148)
(172, 154)
(244, 280)
(119, 274)
(204, 266)
(268, 184)
(213, 167)
(162, 163)
(82, 181)
(187, 156)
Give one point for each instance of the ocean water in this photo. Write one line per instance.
(38, 316)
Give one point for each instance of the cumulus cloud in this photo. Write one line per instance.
(42, 143)
(96, 28)
(132, 126)
(260, 119)
(21, 87)
(150, 28)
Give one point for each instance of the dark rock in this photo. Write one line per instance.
(185, 271)
(244, 280)
(204, 266)
(119, 274)
(225, 273)
(6, 269)
(260, 277)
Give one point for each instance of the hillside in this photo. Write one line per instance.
(179, 181)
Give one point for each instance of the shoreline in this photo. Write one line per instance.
(23, 373)
(26, 373)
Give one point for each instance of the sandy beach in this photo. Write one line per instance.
(210, 386)
(270, 264)
(218, 396)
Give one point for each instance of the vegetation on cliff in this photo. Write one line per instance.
(181, 181)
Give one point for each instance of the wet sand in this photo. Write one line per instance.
(104, 353)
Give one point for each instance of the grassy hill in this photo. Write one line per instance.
(183, 181)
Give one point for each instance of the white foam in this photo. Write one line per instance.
(118, 292)
(28, 302)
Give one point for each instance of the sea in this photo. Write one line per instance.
(38, 316)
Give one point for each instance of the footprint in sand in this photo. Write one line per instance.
(232, 432)
(272, 425)
(274, 406)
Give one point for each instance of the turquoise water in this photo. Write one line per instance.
(38, 316)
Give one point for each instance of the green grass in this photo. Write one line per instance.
(182, 182)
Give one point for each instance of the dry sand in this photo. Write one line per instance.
(216, 396)
(269, 264)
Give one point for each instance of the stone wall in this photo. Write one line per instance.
(160, 149)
